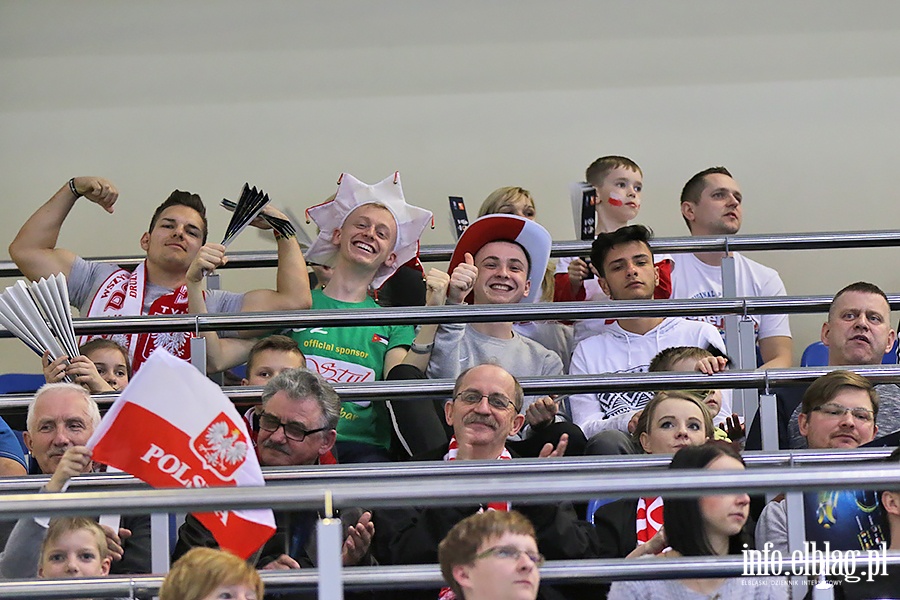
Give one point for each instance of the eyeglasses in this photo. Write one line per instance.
(833, 409)
(513, 553)
(292, 431)
(496, 400)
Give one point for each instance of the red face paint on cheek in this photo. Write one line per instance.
(615, 202)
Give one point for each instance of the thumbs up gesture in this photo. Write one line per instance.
(462, 280)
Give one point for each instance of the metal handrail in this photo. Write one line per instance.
(325, 475)
(743, 243)
(564, 384)
(413, 576)
(445, 487)
(541, 311)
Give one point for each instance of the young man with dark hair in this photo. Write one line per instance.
(175, 241)
(711, 204)
(624, 261)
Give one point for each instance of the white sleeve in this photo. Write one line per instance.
(773, 325)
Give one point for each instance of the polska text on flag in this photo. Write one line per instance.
(173, 427)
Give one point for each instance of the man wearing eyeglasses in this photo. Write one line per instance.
(491, 556)
(484, 411)
(297, 427)
(838, 412)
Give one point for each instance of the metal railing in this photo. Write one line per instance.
(442, 252)
(764, 380)
(437, 488)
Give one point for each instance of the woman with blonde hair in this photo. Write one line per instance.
(209, 574)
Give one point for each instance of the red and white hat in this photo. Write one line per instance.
(511, 228)
(353, 193)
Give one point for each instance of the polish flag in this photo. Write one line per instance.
(173, 427)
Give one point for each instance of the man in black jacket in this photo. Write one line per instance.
(483, 412)
(297, 426)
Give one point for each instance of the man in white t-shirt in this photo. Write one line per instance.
(624, 262)
(711, 205)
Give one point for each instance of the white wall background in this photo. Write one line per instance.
(799, 99)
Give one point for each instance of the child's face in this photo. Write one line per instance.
(713, 399)
(619, 196)
(73, 554)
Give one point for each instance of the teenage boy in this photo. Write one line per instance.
(500, 259)
(365, 233)
(175, 240)
(711, 204)
(624, 261)
(491, 555)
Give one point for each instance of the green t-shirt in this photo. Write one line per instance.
(353, 354)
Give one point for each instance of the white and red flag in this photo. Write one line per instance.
(173, 427)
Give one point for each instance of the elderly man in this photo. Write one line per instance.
(60, 420)
(483, 412)
(297, 426)
(838, 412)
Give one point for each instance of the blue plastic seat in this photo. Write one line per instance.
(816, 355)
(20, 383)
(593, 505)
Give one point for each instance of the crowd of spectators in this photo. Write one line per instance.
(368, 241)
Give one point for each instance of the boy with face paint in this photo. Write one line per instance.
(618, 181)
(365, 233)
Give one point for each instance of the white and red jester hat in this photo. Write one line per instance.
(353, 193)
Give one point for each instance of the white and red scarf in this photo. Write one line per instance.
(447, 593)
(649, 518)
(122, 294)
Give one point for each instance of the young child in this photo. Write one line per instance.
(74, 547)
(619, 183)
(691, 358)
(206, 573)
(102, 366)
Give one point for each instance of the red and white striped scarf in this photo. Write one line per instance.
(649, 518)
(447, 593)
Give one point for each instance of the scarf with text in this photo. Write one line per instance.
(122, 294)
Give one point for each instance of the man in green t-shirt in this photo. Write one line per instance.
(366, 233)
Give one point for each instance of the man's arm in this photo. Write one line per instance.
(777, 352)
(291, 278)
(34, 248)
